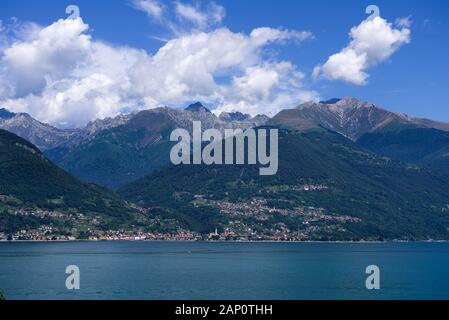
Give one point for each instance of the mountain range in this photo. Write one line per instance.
(43, 135)
(348, 170)
(114, 151)
(396, 135)
(350, 117)
(116, 155)
(47, 137)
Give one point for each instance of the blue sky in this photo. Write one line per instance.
(414, 79)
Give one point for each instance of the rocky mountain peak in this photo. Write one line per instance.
(234, 116)
(353, 103)
(98, 125)
(6, 114)
(197, 107)
(350, 117)
(330, 101)
(307, 105)
(43, 135)
(261, 118)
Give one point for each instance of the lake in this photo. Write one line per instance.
(223, 270)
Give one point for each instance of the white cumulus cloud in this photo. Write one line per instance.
(372, 42)
(52, 52)
(61, 75)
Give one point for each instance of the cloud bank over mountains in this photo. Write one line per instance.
(61, 75)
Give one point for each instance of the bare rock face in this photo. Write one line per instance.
(349, 117)
(44, 136)
(47, 137)
(197, 112)
(234, 116)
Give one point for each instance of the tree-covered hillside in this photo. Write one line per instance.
(29, 181)
(326, 187)
(425, 147)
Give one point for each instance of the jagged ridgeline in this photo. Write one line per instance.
(125, 150)
(326, 187)
(28, 181)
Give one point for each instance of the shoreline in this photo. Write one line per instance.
(229, 241)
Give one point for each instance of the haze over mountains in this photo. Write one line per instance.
(348, 170)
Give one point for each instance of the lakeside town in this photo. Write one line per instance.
(253, 220)
(49, 233)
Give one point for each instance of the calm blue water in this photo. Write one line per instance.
(180, 270)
